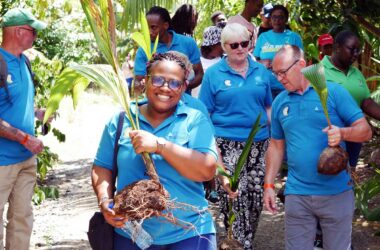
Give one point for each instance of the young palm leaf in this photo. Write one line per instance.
(316, 75)
(143, 38)
(109, 77)
(234, 179)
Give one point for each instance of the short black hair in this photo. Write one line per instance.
(215, 15)
(282, 8)
(182, 20)
(161, 12)
(167, 56)
(343, 36)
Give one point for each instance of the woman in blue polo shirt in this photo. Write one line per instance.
(273, 40)
(181, 142)
(235, 91)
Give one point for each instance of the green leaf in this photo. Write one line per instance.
(139, 39)
(78, 89)
(221, 171)
(316, 75)
(243, 157)
(373, 215)
(65, 82)
(373, 78)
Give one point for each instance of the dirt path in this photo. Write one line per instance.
(62, 223)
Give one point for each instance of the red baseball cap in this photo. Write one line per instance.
(325, 39)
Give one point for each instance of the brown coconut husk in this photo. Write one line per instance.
(332, 161)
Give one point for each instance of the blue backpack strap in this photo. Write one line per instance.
(116, 149)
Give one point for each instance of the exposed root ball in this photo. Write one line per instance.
(332, 160)
(142, 199)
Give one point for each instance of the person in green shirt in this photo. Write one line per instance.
(339, 69)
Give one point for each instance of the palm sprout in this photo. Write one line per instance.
(316, 75)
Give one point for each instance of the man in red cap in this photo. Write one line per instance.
(325, 45)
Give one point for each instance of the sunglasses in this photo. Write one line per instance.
(32, 30)
(159, 81)
(243, 44)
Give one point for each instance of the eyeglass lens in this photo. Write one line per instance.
(159, 81)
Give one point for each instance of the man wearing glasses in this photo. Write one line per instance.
(298, 121)
(18, 145)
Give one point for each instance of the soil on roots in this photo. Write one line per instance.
(141, 200)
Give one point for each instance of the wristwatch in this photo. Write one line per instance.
(102, 200)
(161, 142)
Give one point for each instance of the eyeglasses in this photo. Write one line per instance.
(34, 32)
(283, 72)
(354, 50)
(159, 81)
(243, 44)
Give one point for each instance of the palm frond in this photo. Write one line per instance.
(134, 9)
(63, 85)
(246, 150)
(316, 75)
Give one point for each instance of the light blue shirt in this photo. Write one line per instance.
(235, 102)
(19, 113)
(187, 127)
(299, 120)
(268, 43)
(184, 44)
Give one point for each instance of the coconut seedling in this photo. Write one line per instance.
(332, 159)
(145, 198)
(234, 179)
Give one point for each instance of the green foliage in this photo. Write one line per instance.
(234, 179)
(42, 193)
(364, 193)
(135, 9)
(143, 38)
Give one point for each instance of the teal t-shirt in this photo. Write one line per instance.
(187, 127)
(234, 102)
(299, 120)
(184, 44)
(270, 42)
(19, 111)
(354, 81)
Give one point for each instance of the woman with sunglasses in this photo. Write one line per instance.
(236, 90)
(182, 145)
(339, 68)
(270, 42)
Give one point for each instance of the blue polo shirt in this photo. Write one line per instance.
(235, 102)
(19, 113)
(186, 127)
(299, 120)
(184, 44)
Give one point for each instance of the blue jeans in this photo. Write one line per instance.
(203, 242)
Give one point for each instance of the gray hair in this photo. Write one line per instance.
(292, 50)
(233, 30)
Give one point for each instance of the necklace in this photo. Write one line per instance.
(241, 70)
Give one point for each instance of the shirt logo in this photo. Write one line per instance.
(9, 78)
(285, 111)
(227, 83)
(316, 108)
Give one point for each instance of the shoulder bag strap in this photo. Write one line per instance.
(116, 149)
